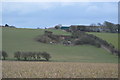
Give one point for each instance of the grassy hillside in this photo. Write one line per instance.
(109, 37)
(23, 40)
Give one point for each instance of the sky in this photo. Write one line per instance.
(49, 14)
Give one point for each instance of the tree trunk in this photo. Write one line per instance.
(3, 58)
(25, 58)
(47, 59)
(18, 58)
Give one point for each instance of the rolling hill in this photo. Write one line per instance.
(16, 39)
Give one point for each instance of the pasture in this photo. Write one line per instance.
(24, 40)
(83, 61)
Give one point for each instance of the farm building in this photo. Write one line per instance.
(64, 27)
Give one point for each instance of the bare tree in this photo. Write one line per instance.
(17, 55)
(46, 55)
(4, 55)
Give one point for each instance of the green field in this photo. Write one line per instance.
(24, 40)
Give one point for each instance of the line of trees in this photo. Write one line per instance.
(31, 55)
(107, 27)
(82, 38)
(27, 55)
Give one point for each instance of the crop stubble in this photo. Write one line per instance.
(34, 69)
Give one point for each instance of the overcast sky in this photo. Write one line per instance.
(48, 14)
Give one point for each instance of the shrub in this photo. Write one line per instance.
(44, 39)
(6, 25)
(24, 55)
(54, 37)
(17, 55)
(4, 55)
(31, 55)
(97, 45)
(38, 55)
(57, 27)
(46, 55)
(77, 34)
(87, 39)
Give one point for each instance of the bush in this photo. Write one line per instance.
(77, 34)
(38, 55)
(57, 27)
(24, 55)
(46, 56)
(44, 39)
(17, 55)
(87, 40)
(97, 45)
(4, 55)
(54, 37)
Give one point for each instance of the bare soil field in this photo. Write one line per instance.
(25, 69)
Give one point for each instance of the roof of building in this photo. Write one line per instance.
(65, 27)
